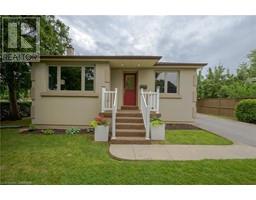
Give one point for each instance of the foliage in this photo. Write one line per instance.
(15, 77)
(219, 83)
(54, 36)
(155, 122)
(238, 90)
(246, 110)
(72, 131)
(31, 127)
(99, 121)
(24, 109)
(48, 131)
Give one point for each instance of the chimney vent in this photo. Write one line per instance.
(70, 51)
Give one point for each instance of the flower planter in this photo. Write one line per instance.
(158, 132)
(101, 133)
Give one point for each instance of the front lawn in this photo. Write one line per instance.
(194, 137)
(22, 122)
(77, 159)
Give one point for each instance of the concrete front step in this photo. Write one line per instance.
(130, 140)
(123, 113)
(129, 113)
(131, 132)
(130, 126)
(129, 120)
(129, 107)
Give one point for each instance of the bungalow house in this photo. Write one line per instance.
(69, 91)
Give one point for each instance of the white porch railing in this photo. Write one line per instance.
(145, 110)
(152, 100)
(149, 101)
(109, 103)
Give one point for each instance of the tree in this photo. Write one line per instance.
(218, 82)
(54, 36)
(54, 39)
(252, 63)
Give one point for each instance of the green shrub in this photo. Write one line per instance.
(48, 131)
(156, 122)
(246, 111)
(72, 131)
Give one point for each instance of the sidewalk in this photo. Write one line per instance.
(181, 152)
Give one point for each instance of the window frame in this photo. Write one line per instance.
(82, 77)
(165, 81)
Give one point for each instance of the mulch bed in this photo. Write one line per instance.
(56, 131)
(181, 127)
(86, 131)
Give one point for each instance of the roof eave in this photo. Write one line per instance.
(76, 57)
(179, 64)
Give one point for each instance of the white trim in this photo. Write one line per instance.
(82, 77)
(58, 78)
(165, 81)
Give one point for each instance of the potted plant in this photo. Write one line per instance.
(101, 128)
(157, 129)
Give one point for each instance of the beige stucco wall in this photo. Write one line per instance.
(65, 108)
(179, 107)
(117, 82)
(60, 109)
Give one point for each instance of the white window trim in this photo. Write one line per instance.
(165, 81)
(82, 78)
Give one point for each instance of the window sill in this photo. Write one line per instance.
(68, 94)
(170, 96)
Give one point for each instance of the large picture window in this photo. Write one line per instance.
(167, 82)
(71, 78)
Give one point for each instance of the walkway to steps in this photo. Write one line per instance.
(181, 152)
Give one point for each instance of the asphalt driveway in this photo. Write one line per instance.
(238, 132)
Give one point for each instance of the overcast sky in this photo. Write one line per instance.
(213, 39)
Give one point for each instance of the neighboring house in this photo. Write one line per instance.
(67, 90)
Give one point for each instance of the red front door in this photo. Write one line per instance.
(130, 89)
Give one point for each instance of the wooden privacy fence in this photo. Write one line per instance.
(217, 106)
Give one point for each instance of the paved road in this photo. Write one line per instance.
(238, 132)
(181, 152)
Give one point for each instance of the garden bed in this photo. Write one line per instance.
(181, 127)
(56, 131)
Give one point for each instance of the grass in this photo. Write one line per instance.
(194, 137)
(77, 159)
(22, 122)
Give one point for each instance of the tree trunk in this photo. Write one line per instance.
(14, 111)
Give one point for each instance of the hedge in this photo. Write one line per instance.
(24, 109)
(246, 111)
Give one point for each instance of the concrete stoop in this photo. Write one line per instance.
(129, 126)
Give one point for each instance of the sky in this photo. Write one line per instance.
(225, 40)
